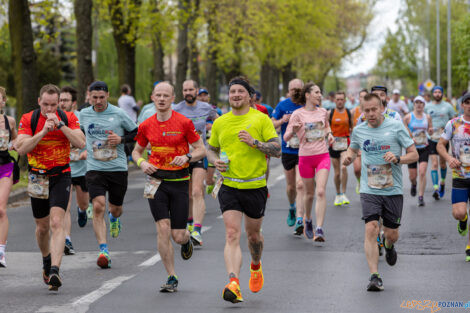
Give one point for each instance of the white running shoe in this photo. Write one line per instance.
(345, 199)
(338, 200)
(3, 263)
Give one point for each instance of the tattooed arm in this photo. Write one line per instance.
(271, 148)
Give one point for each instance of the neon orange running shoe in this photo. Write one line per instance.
(232, 292)
(256, 279)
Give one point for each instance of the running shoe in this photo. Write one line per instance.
(413, 190)
(46, 269)
(190, 228)
(338, 200)
(171, 284)
(68, 248)
(390, 254)
(82, 218)
(358, 186)
(291, 218)
(345, 199)
(187, 250)
(467, 253)
(232, 292)
(209, 189)
(308, 229)
(442, 190)
(89, 211)
(435, 194)
(114, 227)
(463, 230)
(196, 238)
(380, 245)
(319, 236)
(3, 262)
(299, 228)
(54, 282)
(104, 261)
(256, 279)
(420, 201)
(375, 283)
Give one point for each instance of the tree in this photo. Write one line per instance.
(84, 35)
(182, 48)
(23, 55)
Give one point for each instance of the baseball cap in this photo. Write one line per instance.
(419, 98)
(466, 97)
(202, 90)
(396, 91)
(381, 88)
(98, 85)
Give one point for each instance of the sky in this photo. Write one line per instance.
(386, 13)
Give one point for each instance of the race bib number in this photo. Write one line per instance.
(465, 156)
(38, 186)
(437, 133)
(294, 142)
(104, 152)
(4, 139)
(379, 176)
(74, 154)
(340, 144)
(217, 186)
(151, 187)
(420, 137)
(314, 131)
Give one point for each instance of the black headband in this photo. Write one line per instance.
(380, 88)
(244, 84)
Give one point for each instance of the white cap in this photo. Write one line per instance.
(419, 98)
(396, 92)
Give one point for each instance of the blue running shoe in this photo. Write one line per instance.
(319, 235)
(291, 218)
(82, 218)
(442, 190)
(309, 229)
(299, 227)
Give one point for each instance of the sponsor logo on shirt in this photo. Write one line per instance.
(372, 146)
(172, 133)
(94, 130)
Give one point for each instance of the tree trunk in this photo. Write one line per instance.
(275, 72)
(265, 77)
(23, 56)
(183, 50)
(84, 33)
(193, 61)
(211, 63)
(158, 52)
(287, 75)
(126, 62)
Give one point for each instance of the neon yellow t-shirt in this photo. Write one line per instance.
(245, 162)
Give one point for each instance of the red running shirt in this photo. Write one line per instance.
(167, 139)
(261, 108)
(54, 149)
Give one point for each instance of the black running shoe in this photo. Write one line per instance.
(187, 250)
(46, 269)
(390, 254)
(82, 217)
(68, 248)
(171, 285)
(375, 283)
(435, 194)
(54, 282)
(420, 201)
(413, 190)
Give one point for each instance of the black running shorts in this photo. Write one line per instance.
(433, 147)
(387, 207)
(251, 202)
(115, 183)
(423, 157)
(80, 181)
(289, 161)
(59, 193)
(171, 201)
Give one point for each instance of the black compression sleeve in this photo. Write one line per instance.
(129, 137)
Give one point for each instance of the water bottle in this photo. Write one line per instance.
(224, 158)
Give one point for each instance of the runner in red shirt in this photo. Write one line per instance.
(45, 135)
(168, 134)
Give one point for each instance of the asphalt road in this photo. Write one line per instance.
(300, 275)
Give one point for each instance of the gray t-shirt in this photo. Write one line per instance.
(198, 113)
(127, 103)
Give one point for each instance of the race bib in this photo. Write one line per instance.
(294, 142)
(151, 187)
(74, 154)
(420, 137)
(379, 176)
(104, 152)
(217, 186)
(340, 144)
(314, 131)
(4, 139)
(465, 156)
(38, 186)
(437, 134)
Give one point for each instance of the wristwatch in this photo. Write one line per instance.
(255, 143)
(189, 156)
(61, 123)
(398, 159)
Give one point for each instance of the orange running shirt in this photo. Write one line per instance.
(340, 124)
(54, 149)
(357, 112)
(167, 139)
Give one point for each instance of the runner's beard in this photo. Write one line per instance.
(190, 99)
(438, 99)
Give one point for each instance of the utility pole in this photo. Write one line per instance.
(449, 52)
(438, 50)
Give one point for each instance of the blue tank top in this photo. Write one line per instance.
(419, 128)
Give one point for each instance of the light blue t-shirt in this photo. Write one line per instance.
(327, 104)
(143, 115)
(96, 126)
(78, 168)
(377, 176)
(198, 114)
(440, 115)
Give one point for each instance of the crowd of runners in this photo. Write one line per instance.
(189, 149)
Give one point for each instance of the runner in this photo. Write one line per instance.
(329, 103)
(198, 112)
(8, 134)
(380, 141)
(381, 91)
(356, 114)
(45, 135)
(242, 138)
(340, 120)
(68, 103)
(290, 159)
(311, 125)
(104, 126)
(419, 124)
(397, 105)
(457, 130)
(169, 134)
(441, 112)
